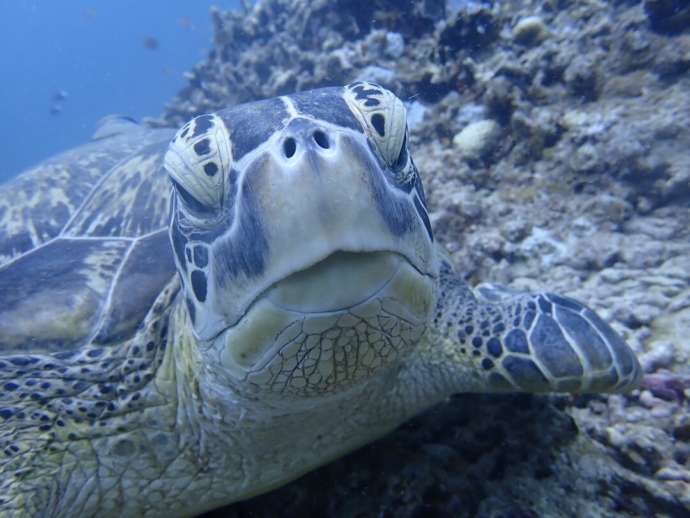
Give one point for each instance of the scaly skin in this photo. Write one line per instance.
(310, 317)
(192, 445)
(74, 421)
(195, 445)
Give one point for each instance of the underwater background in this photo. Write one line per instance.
(552, 136)
(67, 64)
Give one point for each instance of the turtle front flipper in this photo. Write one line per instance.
(496, 339)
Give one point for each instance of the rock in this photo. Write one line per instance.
(478, 139)
(642, 252)
(539, 128)
(467, 204)
(543, 244)
(440, 453)
(662, 411)
(376, 74)
(501, 98)
(668, 16)
(638, 314)
(673, 60)
(415, 114)
(586, 159)
(657, 228)
(530, 30)
(395, 44)
(489, 244)
(641, 449)
(681, 428)
(473, 27)
(582, 78)
(515, 230)
(667, 386)
(648, 400)
(580, 186)
(660, 357)
(469, 113)
(595, 251)
(673, 473)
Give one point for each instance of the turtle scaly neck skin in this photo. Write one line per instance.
(239, 445)
(288, 437)
(196, 441)
(107, 424)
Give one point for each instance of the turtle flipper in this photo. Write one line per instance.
(528, 342)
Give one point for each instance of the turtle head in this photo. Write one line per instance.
(302, 239)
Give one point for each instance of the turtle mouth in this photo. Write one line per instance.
(337, 292)
(339, 281)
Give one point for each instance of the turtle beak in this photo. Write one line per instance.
(340, 281)
(313, 193)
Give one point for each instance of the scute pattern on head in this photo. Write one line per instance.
(251, 125)
(323, 105)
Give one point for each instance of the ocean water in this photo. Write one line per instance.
(66, 64)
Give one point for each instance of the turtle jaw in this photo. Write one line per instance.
(330, 326)
(340, 281)
(289, 211)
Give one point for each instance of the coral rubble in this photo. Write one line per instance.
(553, 136)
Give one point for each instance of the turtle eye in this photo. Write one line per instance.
(403, 168)
(197, 162)
(403, 156)
(382, 115)
(190, 201)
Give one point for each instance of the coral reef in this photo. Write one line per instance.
(554, 142)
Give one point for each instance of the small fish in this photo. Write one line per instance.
(56, 109)
(60, 95)
(151, 43)
(186, 23)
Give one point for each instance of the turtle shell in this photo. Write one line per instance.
(84, 249)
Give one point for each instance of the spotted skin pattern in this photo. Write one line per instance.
(532, 343)
(112, 403)
(54, 403)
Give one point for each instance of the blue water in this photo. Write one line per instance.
(96, 52)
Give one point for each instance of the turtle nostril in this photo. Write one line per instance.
(321, 139)
(289, 147)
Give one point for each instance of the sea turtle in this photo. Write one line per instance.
(312, 310)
